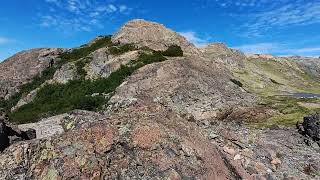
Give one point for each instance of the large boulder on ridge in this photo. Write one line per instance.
(153, 35)
(23, 66)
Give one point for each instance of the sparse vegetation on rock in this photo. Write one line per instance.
(48, 73)
(117, 50)
(54, 99)
(173, 51)
(236, 82)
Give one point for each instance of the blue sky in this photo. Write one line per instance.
(279, 27)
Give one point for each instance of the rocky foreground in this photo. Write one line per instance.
(208, 113)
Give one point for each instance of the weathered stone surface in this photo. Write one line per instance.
(276, 153)
(230, 58)
(66, 73)
(57, 125)
(153, 35)
(129, 144)
(247, 114)
(103, 64)
(22, 67)
(192, 85)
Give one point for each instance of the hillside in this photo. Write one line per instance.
(280, 82)
(145, 103)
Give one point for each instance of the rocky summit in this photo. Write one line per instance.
(22, 67)
(145, 103)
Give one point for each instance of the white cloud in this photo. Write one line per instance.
(298, 13)
(4, 40)
(112, 8)
(259, 48)
(123, 8)
(309, 50)
(194, 38)
(79, 15)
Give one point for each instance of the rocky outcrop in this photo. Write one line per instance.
(192, 85)
(57, 125)
(230, 58)
(22, 67)
(9, 135)
(102, 63)
(66, 73)
(150, 142)
(310, 127)
(153, 35)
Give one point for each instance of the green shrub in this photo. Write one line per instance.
(47, 74)
(81, 72)
(85, 50)
(60, 98)
(236, 82)
(117, 50)
(173, 51)
(275, 82)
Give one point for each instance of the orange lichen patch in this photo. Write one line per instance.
(145, 136)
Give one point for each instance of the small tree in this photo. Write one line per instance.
(173, 51)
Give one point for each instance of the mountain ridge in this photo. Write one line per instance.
(117, 108)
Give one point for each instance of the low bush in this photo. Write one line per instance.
(60, 98)
(85, 50)
(275, 82)
(80, 71)
(173, 51)
(236, 82)
(117, 50)
(47, 74)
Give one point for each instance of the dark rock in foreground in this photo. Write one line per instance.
(311, 127)
(6, 132)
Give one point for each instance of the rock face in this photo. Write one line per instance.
(66, 73)
(149, 143)
(189, 85)
(23, 66)
(230, 58)
(103, 63)
(153, 35)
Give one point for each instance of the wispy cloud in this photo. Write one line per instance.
(80, 15)
(4, 40)
(238, 5)
(194, 38)
(278, 49)
(260, 48)
(299, 13)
